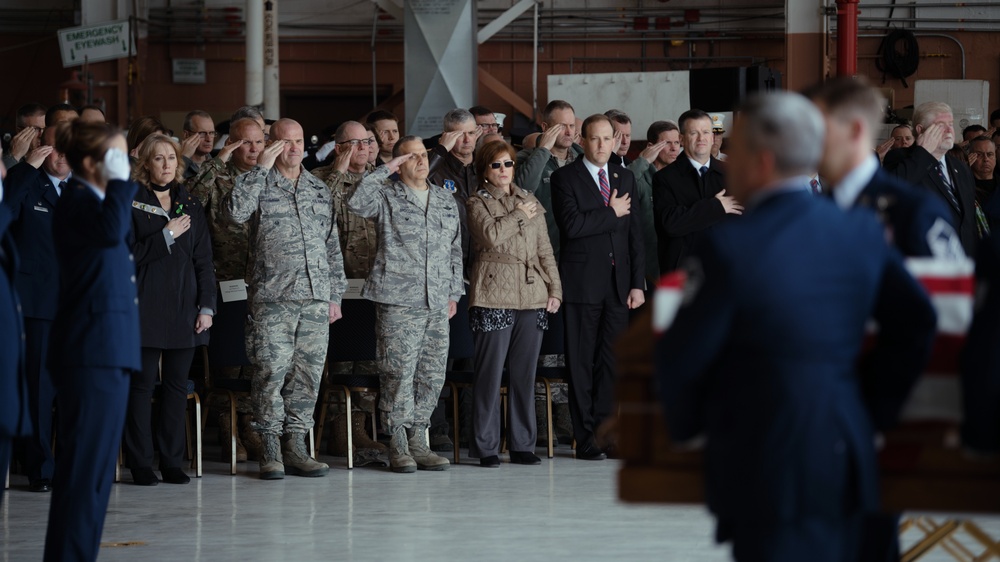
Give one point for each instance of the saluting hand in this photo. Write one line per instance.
(343, 160)
(652, 151)
(550, 136)
(393, 165)
(21, 143)
(621, 205)
(271, 154)
(230, 147)
(884, 148)
(38, 155)
(931, 138)
(190, 145)
(618, 141)
(449, 140)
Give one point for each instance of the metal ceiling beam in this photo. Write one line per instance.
(503, 20)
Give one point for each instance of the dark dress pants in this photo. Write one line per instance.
(518, 346)
(41, 397)
(91, 404)
(172, 405)
(591, 331)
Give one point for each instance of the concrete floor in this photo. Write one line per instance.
(562, 510)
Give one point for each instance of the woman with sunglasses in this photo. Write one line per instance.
(514, 286)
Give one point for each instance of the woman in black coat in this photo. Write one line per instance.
(176, 282)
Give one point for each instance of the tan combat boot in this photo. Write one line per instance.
(336, 445)
(297, 459)
(271, 467)
(399, 453)
(367, 452)
(248, 438)
(425, 458)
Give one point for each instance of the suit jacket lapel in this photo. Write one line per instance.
(935, 173)
(588, 180)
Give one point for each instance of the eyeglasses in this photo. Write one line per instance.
(356, 142)
(490, 127)
(204, 134)
(505, 164)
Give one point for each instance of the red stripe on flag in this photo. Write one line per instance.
(948, 285)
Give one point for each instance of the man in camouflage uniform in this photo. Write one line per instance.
(229, 252)
(357, 245)
(295, 284)
(416, 282)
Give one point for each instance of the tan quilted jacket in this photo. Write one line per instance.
(512, 262)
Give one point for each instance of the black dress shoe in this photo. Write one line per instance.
(40, 485)
(490, 462)
(590, 453)
(144, 477)
(522, 457)
(175, 475)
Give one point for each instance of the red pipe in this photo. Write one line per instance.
(847, 37)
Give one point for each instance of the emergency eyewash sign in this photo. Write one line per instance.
(94, 43)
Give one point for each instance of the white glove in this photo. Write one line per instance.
(116, 166)
(325, 151)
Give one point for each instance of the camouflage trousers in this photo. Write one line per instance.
(413, 355)
(287, 344)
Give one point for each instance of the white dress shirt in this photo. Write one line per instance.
(846, 192)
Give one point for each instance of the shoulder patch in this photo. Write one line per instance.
(449, 185)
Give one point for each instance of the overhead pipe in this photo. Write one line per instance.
(961, 47)
(847, 37)
(272, 81)
(255, 52)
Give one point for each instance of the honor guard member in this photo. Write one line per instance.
(230, 250)
(33, 189)
(916, 222)
(762, 357)
(296, 279)
(416, 283)
(14, 418)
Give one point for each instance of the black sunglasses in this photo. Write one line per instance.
(505, 164)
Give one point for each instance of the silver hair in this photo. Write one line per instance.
(925, 113)
(789, 126)
(456, 117)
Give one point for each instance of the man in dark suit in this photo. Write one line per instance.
(14, 419)
(927, 164)
(762, 355)
(916, 222)
(33, 188)
(602, 267)
(689, 195)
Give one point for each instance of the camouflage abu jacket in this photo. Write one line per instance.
(294, 247)
(418, 261)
